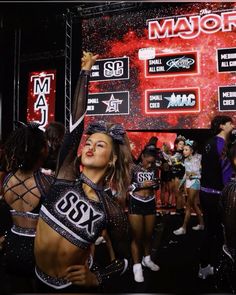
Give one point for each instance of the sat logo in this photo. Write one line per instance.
(113, 68)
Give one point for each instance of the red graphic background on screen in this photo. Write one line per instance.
(138, 140)
(41, 97)
(128, 32)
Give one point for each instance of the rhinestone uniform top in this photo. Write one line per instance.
(72, 214)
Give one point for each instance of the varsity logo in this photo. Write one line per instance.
(143, 176)
(78, 211)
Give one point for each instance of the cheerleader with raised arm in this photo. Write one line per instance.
(77, 209)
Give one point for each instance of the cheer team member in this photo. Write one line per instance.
(25, 151)
(142, 211)
(166, 185)
(177, 172)
(77, 209)
(54, 133)
(191, 179)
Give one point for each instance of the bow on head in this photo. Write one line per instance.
(189, 142)
(116, 131)
(180, 137)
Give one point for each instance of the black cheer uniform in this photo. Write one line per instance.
(74, 216)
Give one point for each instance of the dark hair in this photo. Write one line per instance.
(150, 150)
(23, 148)
(121, 176)
(152, 141)
(179, 139)
(193, 145)
(217, 121)
(55, 132)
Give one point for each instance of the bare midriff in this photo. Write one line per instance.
(54, 255)
(145, 192)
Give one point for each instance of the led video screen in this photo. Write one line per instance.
(169, 67)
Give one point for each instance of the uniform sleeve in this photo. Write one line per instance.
(68, 151)
(118, 231)
(115, 268)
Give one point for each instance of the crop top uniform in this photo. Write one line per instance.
(177, 168)
(19, 241)
(139, 176)
(71, 213)
(143, 205)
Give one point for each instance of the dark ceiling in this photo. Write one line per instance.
(24, 13)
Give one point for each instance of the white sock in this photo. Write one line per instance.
(147, 258)
(137, 266)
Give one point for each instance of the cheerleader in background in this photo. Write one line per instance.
(142, 211)
(24, 189)
(177, 172)
(54, 133)
(166, 187)
(191, 179)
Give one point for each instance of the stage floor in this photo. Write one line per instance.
(178, 258)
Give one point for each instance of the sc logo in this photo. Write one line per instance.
(113, 69)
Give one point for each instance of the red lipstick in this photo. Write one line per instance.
(89, 154)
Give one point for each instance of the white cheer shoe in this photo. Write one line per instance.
(138, 273)
(147, 262)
